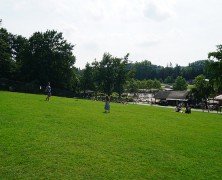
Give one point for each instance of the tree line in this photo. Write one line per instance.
(47, 56)
(168, 74)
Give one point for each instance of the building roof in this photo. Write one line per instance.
(172, 95)
(178, 95)
(218, 97)
(162, 94)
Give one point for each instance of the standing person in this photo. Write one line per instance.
(107, 105)
(48, 91)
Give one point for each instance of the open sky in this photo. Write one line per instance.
(161, 31)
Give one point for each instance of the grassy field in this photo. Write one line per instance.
(73, 139)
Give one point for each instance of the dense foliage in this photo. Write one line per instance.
(215, 68)
(168, 74)
(47, 56)
(107, 76)
(202, 88)
(180, 84)
(41, 58)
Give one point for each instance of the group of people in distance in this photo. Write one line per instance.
(179, 109)
(48, 91)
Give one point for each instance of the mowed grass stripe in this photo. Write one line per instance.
(73, 139)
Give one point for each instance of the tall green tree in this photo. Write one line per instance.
(143, 70)
(176, 71)
(180, 84)
(121, 73)
(49, 58)
(215, 68)
(87, 78)
(19, 49)
(110, 74)
(132, 86)
(202, 88)
(169, 79)
(97, 78)
(156, 84)
(6, 61)
(107, 74)
(149, 84)
(194, 69)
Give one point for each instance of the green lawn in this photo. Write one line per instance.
(73, 139)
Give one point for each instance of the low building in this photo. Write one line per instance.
(172, 98)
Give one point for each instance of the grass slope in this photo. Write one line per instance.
(74, 139)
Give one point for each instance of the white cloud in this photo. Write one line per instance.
(151, 11)
(146, 44)
(157, 30)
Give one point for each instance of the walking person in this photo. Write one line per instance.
(48, 91)
(107, 104)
